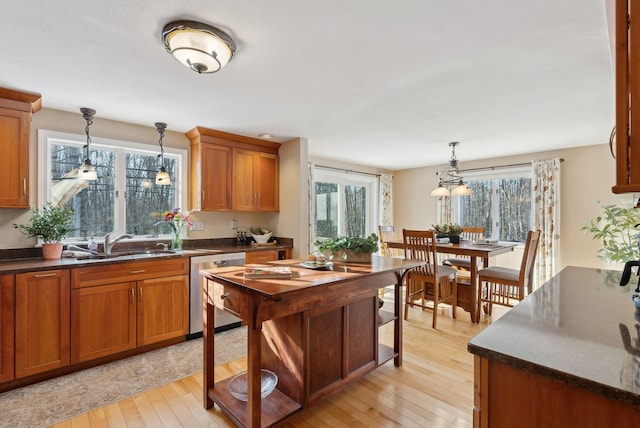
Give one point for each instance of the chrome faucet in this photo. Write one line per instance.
(109, 243)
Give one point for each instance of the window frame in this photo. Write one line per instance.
(346, 177)
(522, 171)
(48, 137)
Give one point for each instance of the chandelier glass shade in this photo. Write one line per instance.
(201, 47)
(450, 183)
(87, 171)
(162, 177)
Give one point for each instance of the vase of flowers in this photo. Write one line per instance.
(179, 221)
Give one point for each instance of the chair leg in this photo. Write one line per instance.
(436, 299)
(454, 305)
(406, 299)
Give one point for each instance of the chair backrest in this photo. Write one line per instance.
(529, 258)
(421, 245)
(387, 233)
(472, 233)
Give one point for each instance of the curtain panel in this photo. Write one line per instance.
(546, 212)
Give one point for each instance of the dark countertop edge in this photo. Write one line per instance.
(36, 264)
(588, 385)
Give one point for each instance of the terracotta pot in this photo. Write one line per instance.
(52, 251)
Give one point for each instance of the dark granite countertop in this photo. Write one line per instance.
(568, 330)
(27, 261)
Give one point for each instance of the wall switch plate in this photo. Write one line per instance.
(234, 224)
(198, 225)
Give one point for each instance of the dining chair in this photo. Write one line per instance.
(388, 233)
(502, 285)
(429, 281)
(463, 263)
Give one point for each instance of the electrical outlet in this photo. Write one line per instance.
(198, 225)
(234, 224)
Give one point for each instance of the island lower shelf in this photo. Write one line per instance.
(275, 408)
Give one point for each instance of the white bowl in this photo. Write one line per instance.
(262, 239)
(238, 385)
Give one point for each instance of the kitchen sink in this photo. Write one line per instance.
(137, 254)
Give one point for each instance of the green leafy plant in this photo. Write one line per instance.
(357, 244)
(51, 223)
(615, 229)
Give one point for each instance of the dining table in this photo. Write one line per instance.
(468, 292)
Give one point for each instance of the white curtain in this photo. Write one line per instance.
(546, 208)
(386, 199)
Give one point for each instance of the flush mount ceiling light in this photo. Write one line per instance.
(162, 177)
(87, 171)
(451, 178)
(201, 47)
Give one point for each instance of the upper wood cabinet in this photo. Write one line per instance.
(232, 172)
(627, 59)
(16, 108)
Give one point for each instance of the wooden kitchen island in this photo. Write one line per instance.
(318, 331)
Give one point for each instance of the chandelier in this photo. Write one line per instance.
(449, 181)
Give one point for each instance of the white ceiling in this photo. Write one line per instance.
(376, 82)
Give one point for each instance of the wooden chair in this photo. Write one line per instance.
(388, 233)
(463, 263)
(432, 282)
(502, 285)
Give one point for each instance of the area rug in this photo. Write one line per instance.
(55, 400)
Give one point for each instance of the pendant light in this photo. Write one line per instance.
(162, 177)
(87, 171)
(451, 178)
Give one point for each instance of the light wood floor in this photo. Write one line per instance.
(433, 388)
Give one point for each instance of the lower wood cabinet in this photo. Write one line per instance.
(111, 318)
(261, 256)
(41, 321)
(7, 349)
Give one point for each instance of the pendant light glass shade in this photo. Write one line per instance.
(201, 47)
(461, 190)
(162, 177)
(440, 191)
(87, 171)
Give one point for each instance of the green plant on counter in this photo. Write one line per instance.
(52, 223)
(615, 229)
(357, 244)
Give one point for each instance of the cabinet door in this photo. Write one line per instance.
(14, 163)
(103, 320)
(267, 182)
(42, 321)
(245, 165)
(215, 177)
(6, 327)
(163, 308)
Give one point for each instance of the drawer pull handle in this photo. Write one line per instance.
(137, 271)
(44, 275)
(224, 296)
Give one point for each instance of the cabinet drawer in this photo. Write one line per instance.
(261, 256)
(230, 299)
(128, 271)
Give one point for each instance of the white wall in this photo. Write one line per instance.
(587, 176)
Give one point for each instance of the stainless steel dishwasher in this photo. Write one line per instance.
(223, 320)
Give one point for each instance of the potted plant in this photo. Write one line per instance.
(451, 230)
(52, 223)
(616, 229)
(349, 248)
